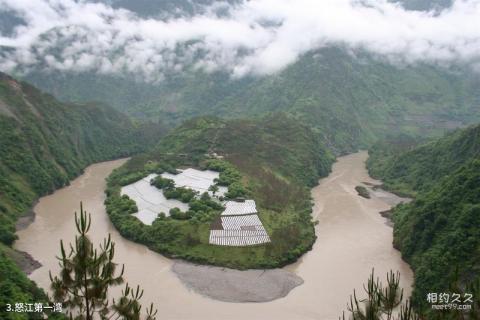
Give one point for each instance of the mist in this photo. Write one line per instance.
(257, 37)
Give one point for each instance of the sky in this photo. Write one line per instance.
(255, 37)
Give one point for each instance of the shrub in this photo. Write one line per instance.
(162, 183)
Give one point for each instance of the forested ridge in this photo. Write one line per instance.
(408, 168)
(273, 160)
(438, 233)
(276, 140)
(350, 99)
(43, 145)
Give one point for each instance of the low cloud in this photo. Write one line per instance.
(252, 37)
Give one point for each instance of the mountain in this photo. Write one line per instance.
(156, 8)
(277, 152)
(43, 145)
(277, 141)
(46, 143)
(421, 167)
(273, 160)
(351, 100)
(348, 96)
(425, 5)
(148, 8)
(438, 233)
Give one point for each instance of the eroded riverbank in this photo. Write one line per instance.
(352, 239)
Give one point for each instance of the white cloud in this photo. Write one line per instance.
(254, 37)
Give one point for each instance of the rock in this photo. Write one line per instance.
(25, 261)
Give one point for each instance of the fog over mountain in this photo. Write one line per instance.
(247, 37)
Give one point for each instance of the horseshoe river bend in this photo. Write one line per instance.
(352, 239)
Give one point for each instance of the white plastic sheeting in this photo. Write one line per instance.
(238, 238)
(150, 200)
(241, 226)
(241, 222)
(239, 208)
(196, 180)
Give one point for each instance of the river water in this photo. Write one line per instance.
(352, 239)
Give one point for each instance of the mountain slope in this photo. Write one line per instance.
(349, 96)
(438, 233)
(280, 155)
(273, 160)
(43, 145)
(351, 100)
(278, 141)
(422, 167)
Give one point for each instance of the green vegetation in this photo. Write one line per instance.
(45, 144)
(362, 192)
(86, 276)
(161, 183)
(410, 169)
(198, 205)
(350, 100)
(381, 301)
(384, 302)
(201, 209)
(277, 141)
(171, 192)
(15, 287)
(329, 97)
(439, 232)
(182, 194)
(274, 160)
(229, 177)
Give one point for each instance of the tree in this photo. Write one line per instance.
(385, 302)
(213, 188)
(87, 274)
(381, 301)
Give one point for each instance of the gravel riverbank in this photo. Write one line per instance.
(234, 285)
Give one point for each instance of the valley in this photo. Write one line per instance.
(350, 99)
(321, 249)
(261, 160)
(443, 175)
(352, 238)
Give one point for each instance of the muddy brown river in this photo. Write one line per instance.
(352, 239)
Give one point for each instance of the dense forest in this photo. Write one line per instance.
(350, 99)
(438, 233)
(409, 168)
(273, 160)
(44, 144)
